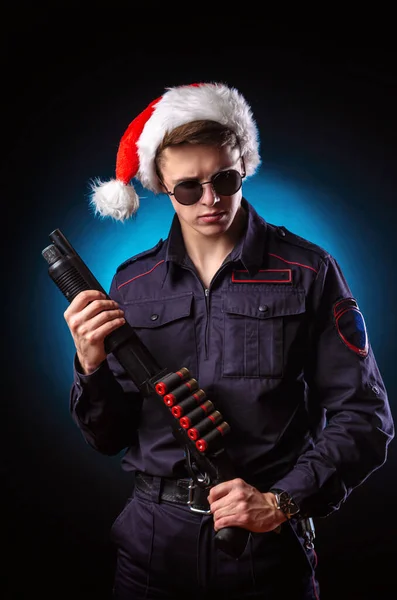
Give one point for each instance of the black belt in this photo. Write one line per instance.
(180, 491)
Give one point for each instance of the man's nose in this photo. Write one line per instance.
(209, 197)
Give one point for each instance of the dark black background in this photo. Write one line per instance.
(70, 87)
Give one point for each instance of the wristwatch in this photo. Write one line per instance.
(285, 503)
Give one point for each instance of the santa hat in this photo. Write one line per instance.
(137, 149)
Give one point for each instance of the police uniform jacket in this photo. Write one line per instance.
(280, 346)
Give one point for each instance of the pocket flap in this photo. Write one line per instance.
(263, 305)
(155, 313)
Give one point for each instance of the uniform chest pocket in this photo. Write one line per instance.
(166, 327)
(255, 330)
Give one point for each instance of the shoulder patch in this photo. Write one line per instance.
(140, 255)
(350, 325)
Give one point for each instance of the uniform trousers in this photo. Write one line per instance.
(165, 551)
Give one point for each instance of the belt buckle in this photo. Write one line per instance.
(191, 488)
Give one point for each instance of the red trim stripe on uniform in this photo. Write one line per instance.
(140, 275)
(290, 262)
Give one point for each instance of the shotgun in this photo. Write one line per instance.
(196, 424)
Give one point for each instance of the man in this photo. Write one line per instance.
(266, 323)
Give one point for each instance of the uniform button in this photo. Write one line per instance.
(281, 232)
(375, 389)
(263, 308)
(154, 317)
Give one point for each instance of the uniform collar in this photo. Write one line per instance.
(248, 251)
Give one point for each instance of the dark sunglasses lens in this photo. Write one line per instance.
(227, 183)
(188, 192)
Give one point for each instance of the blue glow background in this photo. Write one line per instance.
(328, 134)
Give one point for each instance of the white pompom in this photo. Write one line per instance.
(114, 199)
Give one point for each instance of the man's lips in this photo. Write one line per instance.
(212, 218)
(215, 214)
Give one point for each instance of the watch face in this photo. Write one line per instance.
(287, 505)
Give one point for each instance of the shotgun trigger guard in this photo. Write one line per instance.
(200, 479)
(190, 501)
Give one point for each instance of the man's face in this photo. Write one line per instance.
(212, 215)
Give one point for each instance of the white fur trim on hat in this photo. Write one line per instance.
(213, 102)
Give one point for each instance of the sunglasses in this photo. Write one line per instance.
(224, 183)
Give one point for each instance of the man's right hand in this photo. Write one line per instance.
(91, 317)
